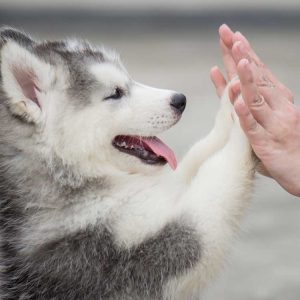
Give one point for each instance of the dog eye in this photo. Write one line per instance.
(118, 94)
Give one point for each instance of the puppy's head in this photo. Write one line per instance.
(84, 107)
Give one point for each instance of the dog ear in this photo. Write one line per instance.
(25, 76)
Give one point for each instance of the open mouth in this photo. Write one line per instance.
(150, 150)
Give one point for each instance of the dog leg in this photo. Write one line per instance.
(218, 196)
(206, 147)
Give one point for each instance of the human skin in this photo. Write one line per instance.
(266, 110)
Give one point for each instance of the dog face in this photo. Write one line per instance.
(84, 107)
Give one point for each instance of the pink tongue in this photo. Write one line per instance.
(161, 149)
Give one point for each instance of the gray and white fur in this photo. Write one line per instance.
(80, 219)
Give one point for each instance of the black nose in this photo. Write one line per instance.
(178, 101)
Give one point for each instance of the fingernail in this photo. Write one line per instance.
(225, 26)
(213, 69)
(244, 62)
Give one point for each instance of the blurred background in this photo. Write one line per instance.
(173, 44)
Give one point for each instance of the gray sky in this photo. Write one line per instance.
(188, 5)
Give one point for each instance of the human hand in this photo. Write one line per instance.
(269, 118)
(227, 38)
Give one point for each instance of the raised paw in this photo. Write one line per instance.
(234, 93)
(225, 116)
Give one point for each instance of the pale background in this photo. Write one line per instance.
(173, 44)
(157, 4)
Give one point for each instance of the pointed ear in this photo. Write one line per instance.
(25, 77)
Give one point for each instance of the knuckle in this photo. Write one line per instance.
(258, 63)
(261, 65)
(284, 129)
(252, 127)
(295, 116)
(257, 101)
(286, 93)
(290, 96)
(291, 114)
(250, 79)
(280, 134)
(265, 82)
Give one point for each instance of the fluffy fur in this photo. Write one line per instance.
(80, 219)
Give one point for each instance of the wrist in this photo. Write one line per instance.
(293, 188)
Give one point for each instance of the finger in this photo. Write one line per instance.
(239, 37)
(257, 105)
(275, 98)
(262, 75)
(243, 49)
(218, 80)
(256, 134)
(277, 87)
(234, 90)
(229, 63)
(253, 130)
(289, 94)
(248, 52)
(226, 35)
(239, 52)
(272, 94)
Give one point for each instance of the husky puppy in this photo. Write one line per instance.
(88, 209)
